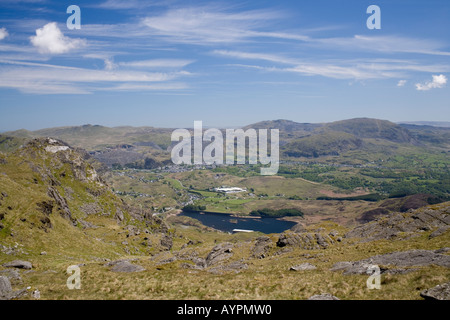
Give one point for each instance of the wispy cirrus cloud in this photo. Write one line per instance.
(209, 25)
(384, 44)
(157, 63)
(128, 4)
(43, 78)
(358, 69)
(147, 87)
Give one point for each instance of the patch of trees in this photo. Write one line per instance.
(194, 208)
(145, 164)
(272, 213)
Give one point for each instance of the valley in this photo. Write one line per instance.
(110, 201)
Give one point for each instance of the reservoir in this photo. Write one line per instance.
(227, 223)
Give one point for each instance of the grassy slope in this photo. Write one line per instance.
(25, 177)
(267, 278)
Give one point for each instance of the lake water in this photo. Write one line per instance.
(227, 223)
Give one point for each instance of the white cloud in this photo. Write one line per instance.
(50, 39)
(401, 83)
(3, 33)
(437, 82)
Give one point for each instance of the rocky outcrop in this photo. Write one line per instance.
(216, 260)
(440, 292)
(262, 247)
(306, 240)
(403, 224)
(166, 242)
(221, 252)
(411, 258)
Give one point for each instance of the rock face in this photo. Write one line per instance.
(63, 207)
(18, 264)
(440, 292)
(410, 258)
(305, 240)
(396, 224)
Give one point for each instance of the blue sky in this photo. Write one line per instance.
(227, 63)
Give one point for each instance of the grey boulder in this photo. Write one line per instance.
(5, 288)
(124, 266)
(323, 296)
(440, 292)
(18, 264)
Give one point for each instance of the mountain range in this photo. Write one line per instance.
(133, 145)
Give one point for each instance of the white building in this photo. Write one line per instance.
(229, 189)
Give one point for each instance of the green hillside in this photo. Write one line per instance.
(372, 128)
(53, 200)
(322, 144)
